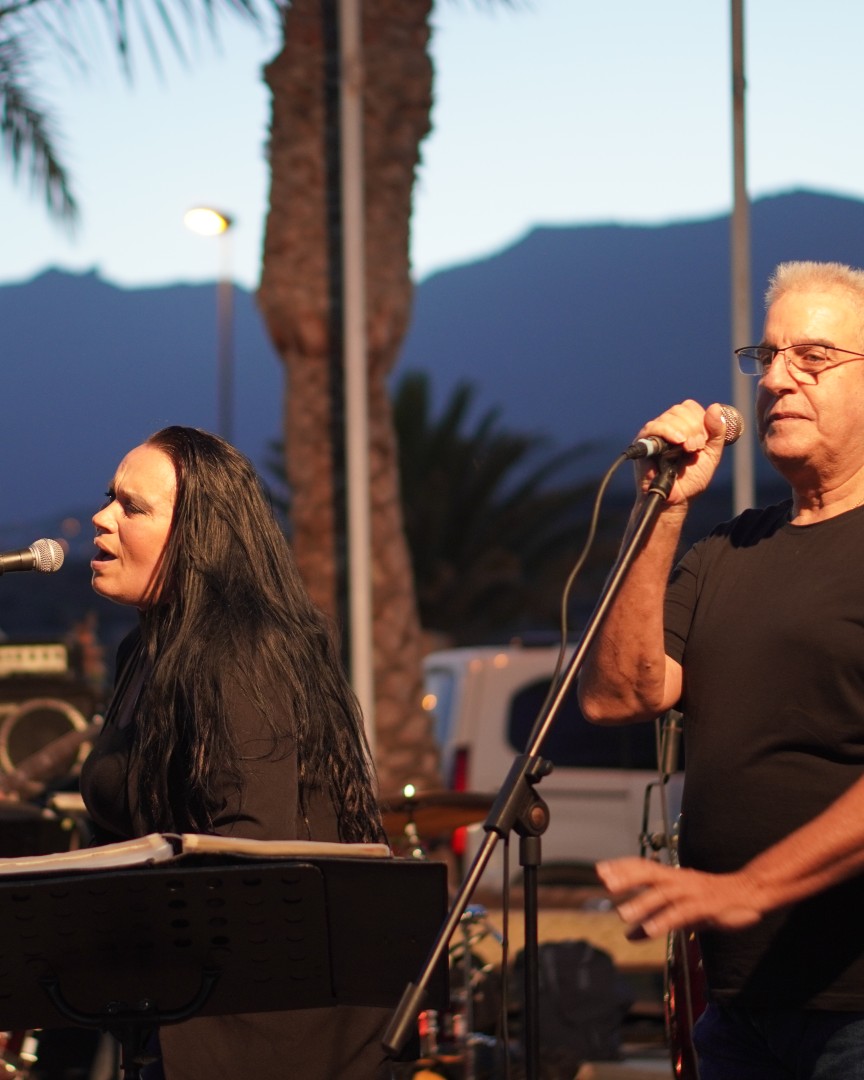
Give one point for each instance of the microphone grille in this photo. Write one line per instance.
(734, 424)
(48, 555)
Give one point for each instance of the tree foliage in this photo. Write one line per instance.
(29, 131)
(493, 516)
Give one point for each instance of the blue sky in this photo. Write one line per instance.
(547, 111)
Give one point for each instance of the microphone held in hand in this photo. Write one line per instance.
(44, 556)
(653, 445)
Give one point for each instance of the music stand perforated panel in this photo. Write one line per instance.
(280, 934)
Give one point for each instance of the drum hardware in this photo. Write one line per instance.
(433, 813)
(449, 1045)
(27, 776)
(18, 1053)
(41, 740)
(416, 849)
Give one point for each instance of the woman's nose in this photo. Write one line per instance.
(101, 519)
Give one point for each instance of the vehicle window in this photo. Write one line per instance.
(438, 687)
(572, 741)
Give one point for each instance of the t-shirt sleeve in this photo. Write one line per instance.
(680, 603)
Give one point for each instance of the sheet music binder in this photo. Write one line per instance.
(214, 934)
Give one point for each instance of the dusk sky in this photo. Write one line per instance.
(547, 112)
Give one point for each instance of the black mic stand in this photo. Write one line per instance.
(518, 806)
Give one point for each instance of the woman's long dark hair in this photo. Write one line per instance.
(230, 602)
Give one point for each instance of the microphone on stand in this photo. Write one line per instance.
(44, 556)
(654, 445)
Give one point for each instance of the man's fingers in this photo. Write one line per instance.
(624, 875)
(655, 899)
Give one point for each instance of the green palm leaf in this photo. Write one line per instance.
(28, 130)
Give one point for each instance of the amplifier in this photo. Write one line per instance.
(33, 658)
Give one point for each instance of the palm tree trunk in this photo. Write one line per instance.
(299, 296)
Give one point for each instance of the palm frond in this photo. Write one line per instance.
(27, 129)
(154, 22)
(28, 136)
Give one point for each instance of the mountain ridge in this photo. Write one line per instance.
(579, 333)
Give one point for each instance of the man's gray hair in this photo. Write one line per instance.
(815, 276)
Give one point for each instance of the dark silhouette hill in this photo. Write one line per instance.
(580, 333)
(586, 332)
(90, 370)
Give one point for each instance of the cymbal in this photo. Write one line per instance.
(434, 813)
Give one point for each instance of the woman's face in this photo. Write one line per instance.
(133, 526)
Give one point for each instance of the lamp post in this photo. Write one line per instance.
(206, 221)
(743, 464)
(356, 362)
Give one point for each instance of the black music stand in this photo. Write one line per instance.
(128, 950)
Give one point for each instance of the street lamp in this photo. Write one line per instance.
(206, 221)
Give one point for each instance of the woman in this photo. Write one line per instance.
(230, 715)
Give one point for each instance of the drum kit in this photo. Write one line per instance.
(42, 739)
(450, 1046)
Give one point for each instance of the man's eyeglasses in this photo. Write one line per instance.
(805, 363)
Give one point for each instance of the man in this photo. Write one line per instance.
(759, 639)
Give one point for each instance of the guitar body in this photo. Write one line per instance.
(684, 1001)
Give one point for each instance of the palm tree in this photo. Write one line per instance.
(299, 296)
(299, 292)
(493, 518)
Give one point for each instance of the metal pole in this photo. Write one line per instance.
(225, 342)
(743, 483)
(356, 374)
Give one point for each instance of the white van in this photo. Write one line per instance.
(485, 700)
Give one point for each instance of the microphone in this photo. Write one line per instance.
(45, 556)
(654, 445)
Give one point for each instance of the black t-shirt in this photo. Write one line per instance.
(767, 619)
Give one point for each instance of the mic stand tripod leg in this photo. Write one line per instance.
(529, 857)
(133, 1039)
(530, 822)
